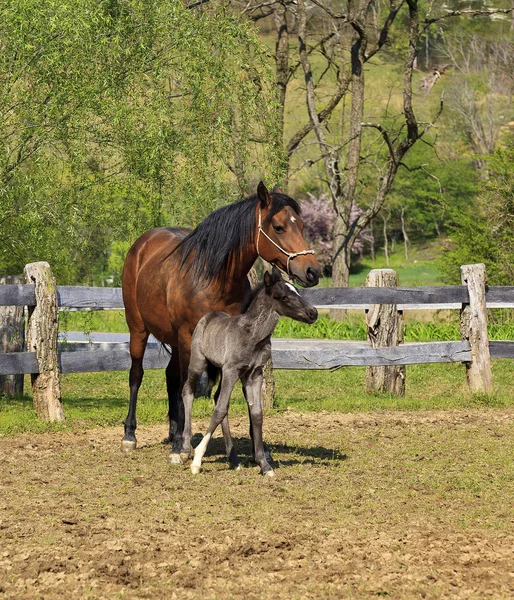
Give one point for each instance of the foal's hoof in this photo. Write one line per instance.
(270, 473)
(128, 445)
(195, 470)
(174, 459)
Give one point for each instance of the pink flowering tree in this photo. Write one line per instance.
(318, 215)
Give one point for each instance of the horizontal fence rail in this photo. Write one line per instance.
(73, 352)
(406, 298)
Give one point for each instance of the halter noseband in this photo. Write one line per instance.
(290, 255)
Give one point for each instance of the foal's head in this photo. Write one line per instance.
(286, 300)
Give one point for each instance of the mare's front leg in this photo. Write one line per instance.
(138, 340)
(252, 384)
(228, 381)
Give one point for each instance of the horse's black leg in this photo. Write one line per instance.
(173, 388)
(137, 349)
(178, 453)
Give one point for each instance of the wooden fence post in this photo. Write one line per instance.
(384, 324)
(473, 328)
(42, 339)
(12, 336)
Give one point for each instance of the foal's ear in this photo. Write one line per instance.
(275, 274)
(262, 193)
(268, 281)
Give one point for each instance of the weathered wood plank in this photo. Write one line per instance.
(89, 297)
(113, 360)
(18, 295)
(407, 298)
(498, 296)
(362, 296)
(501, 349)
(18, 363)
(287, 354)
(302, 354)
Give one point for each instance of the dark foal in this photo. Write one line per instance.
(238, 347)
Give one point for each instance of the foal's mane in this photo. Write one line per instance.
(224, 235)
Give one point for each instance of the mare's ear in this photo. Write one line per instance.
(275, 274)
(276, 190)
(268, 281)
(262, 193)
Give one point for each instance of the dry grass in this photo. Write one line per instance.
(400, 505)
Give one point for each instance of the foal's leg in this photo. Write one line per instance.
(197, 365)
(138, 340)
(267, 452)
(229, 442)
(228, 381)
(252, 383)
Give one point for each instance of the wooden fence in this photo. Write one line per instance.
(45, 358)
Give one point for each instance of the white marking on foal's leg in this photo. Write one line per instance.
(199, 452)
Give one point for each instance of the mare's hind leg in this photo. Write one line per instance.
(178, 453)
(138, 340)
(175, 407)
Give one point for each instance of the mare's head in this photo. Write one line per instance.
(279, 236)
(286, 300)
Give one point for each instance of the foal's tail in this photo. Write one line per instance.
(213, 374)
(207, 381)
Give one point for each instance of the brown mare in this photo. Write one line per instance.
(173, 276)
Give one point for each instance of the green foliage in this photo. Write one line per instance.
(121, 116)
(427, 194)
(485, 232)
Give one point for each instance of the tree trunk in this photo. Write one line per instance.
(385, 326)
(386, 243)
(12, 334)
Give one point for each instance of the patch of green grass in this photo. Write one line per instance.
(101, 399)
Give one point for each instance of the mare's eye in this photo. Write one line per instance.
(278, 228)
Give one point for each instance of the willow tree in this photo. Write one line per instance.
(117, 116)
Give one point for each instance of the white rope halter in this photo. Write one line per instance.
(290, 255)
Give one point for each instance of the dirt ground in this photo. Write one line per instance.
(399, 505)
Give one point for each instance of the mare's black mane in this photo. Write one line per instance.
(224, 233)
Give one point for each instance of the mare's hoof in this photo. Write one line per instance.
(195, 470)
(128, 445)
(236, 467)
(270, 473)
(174, 459)
(184, 456)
